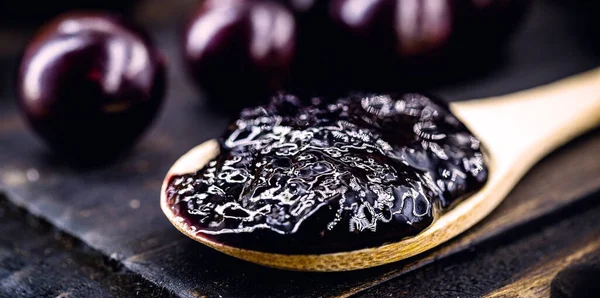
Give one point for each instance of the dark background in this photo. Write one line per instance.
(95, 232)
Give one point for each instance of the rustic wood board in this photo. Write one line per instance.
(514, 267)
(40, 261)
(114, 208)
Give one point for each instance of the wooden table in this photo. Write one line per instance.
(69, 231)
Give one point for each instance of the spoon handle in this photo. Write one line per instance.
(522, 127)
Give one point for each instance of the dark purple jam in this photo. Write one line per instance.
(321, 176)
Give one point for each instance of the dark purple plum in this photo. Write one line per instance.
(239, 51)
(399, 27)
(403, 42)
(90, 84)
(377, 37)
(414, 28)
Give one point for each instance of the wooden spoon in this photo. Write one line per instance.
(516, 129)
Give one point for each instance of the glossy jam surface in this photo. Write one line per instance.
(318, 177)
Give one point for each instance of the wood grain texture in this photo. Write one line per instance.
(580, 279)
(522, 265)
(36, 260)
(114, 209)
(537, 280)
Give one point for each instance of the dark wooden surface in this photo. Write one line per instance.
(37, 260)
(521, 265)
(111, 212)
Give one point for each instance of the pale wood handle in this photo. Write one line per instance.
(525, 126)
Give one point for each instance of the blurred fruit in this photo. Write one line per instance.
(89, 84)
(336, 45)
(389, 42)
(239, 51)
(400, 27)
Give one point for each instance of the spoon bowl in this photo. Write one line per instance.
(517, 130)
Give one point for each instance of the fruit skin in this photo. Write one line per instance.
(407, 42)
(403, 28)
(412, 28)
(90, 84)
(239, 51)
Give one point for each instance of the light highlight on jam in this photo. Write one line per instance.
(317, 176)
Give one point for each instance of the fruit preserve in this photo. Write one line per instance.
(304, 176)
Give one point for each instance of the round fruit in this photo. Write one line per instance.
(89, 84)
(378, 37)
(238, 50)
(390, 42)
(399, 27)
(415, 28)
